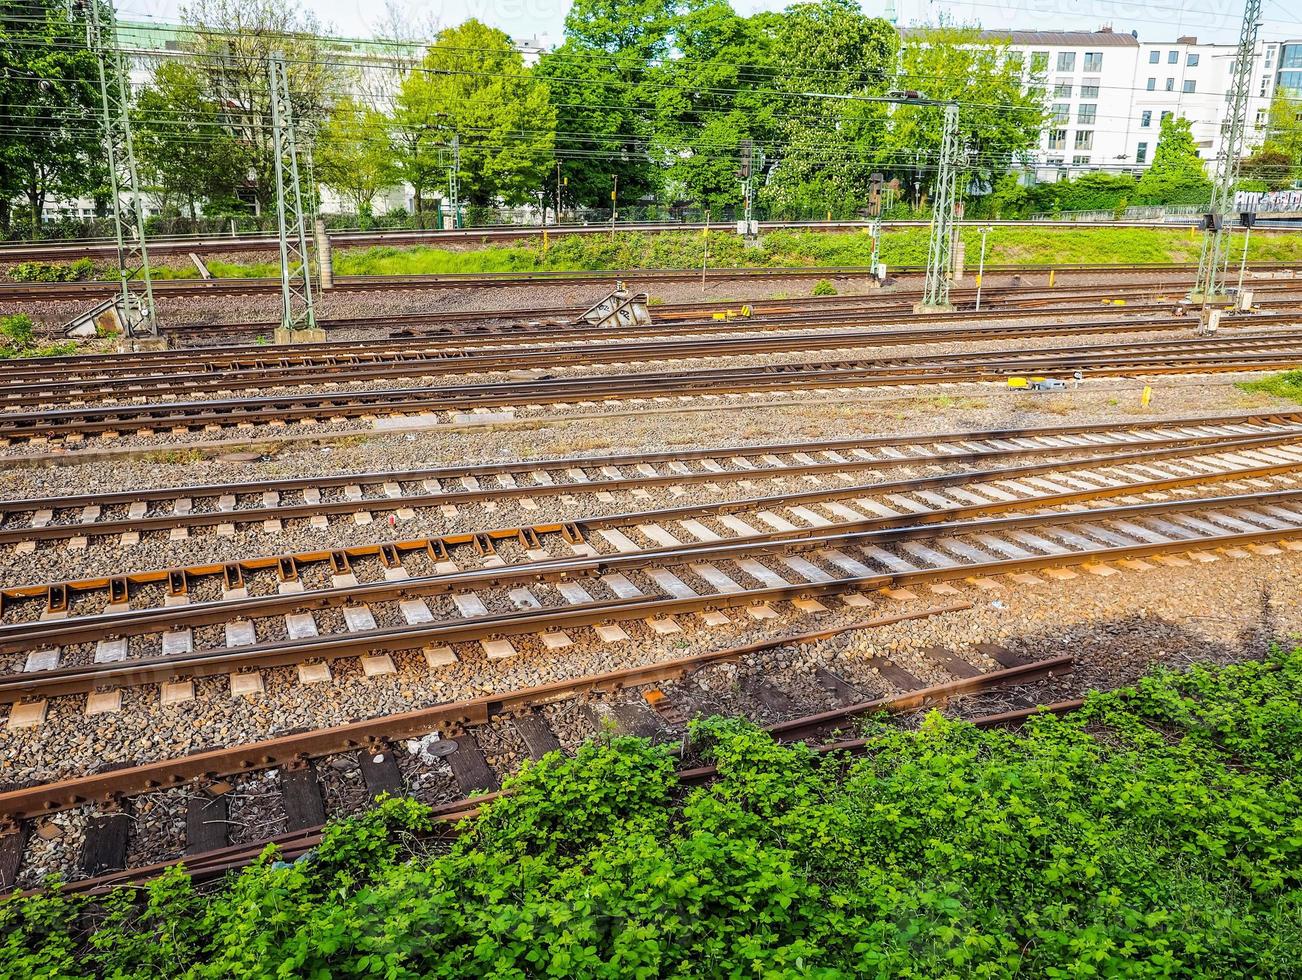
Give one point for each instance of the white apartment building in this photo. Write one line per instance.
(1108, 93)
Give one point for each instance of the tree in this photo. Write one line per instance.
(832, 146)
(353, 156)
(1282, 147)
(473, 85)
(1176, 175)
(49, 85)
(186, 153)
(1000, 116)
(1269, 169)
(715, 94)
(234, 40)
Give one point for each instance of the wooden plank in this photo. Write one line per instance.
(538, 736)
(380, 769)
(206, 823)
(894, 674)
(105, 847)
(471, 769)
(636, 718)
(951, 662)
(11, 855)
(1000, 655)
(304, 806)
(842, 693)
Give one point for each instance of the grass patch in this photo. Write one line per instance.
(1154, 833)
(1287, 384)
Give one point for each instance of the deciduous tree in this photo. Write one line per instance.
(1177, 175)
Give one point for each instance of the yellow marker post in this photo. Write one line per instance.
(1052, 274)
(1146, 396)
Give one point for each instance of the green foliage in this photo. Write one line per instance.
(352, 157)
(78, 270)
(1157, 832)
(824, 287)
(186, 153)
(1286, 384)
(474, 86)
(18, 334)
(49, 88)
(18, 331)
(1176, 175)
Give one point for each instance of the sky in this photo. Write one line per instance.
(1209, 20)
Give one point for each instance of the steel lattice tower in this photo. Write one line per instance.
(295, 276)
(1216, 244)
(936, 291)
(136, 303)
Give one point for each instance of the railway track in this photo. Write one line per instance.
(642, 569)
(222, 244)
(1242, 353)
(120, 379)
(62, 291)
(227, 509)
(451, 755)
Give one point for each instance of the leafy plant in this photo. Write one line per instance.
(1155, 833)
(824, 287)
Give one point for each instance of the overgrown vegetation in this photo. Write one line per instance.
(906, 246)
(1286, 384)
(18, 339)
(76, 271)
(1158, 832)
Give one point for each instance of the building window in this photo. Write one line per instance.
(1086, 113)
(1154, 57)
(1289, 83)
(1062, 90)
(1089, 91)
(1166, 114)
(1152, 84)
(1084, 139)
(1170, 84)
(1173, 57)
(1291, 56)
(1066, 60)
(1141, 153)
(1191, 61)
(1261, 119)
(1080, 161)
(1146, 118)
(1189, 86)
(1093, 61)
(1265, 84)
(1057, 139)
(1061, 112)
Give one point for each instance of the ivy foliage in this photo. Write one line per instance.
(1157, 832)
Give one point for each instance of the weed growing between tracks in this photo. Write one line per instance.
(1154, 833)
(1286, 384)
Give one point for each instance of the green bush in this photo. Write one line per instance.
(1157, 832)
(18, 331)
(824, 287)
(77, 271)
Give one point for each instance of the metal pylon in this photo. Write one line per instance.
(136, 303)
(1213, 261)
(295, 276)
(936, 290)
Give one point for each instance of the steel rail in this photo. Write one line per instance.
(225, 287)
(578, 530)
(31, 801)
(1153, 358)
(305, 371)
(1149, 449)
(299, 749)
(277, 653)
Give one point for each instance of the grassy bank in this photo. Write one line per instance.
(1287, 384)
(1030, 246)
(1155, 833)
(687, 250)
